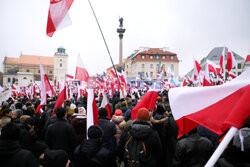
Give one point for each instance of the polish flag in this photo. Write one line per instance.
(70, 76)
(231, 62)
(206, 78)
(58, 16)
(222, 61)
(60, 99)
(248, 58)
(197, 69)
(212, 67)
(231, 74)
(45, 88)
(81, 72)
(148, 101)
(105, 104)
(215, 107)
(184, 82)
(92, 111)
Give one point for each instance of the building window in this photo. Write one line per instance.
(28, 70)
(126, 73)
(172, 67)
(157, 57)
(239, 73)
(24, 77)
(143, 74)
(31, 80)
(60, 64)
(142, 57)
(50, 72)
(142, 65)
(163, 57)
(39, 71)
(151, 66)
(151, 74)
(239, 66)
(8, 79)
(151, 57)
(60, 59)
(172, 57)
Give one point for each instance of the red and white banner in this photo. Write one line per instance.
(70, 76)
(148, 101)
(92, 110)
(81, 72)
(231, 62)
(214, 107)
(58, 16)
(197, 69)
(105, 104)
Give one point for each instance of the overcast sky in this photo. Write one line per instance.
(188, 27)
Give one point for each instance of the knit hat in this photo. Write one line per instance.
(38, 148)
(55, 158)
(103, 112)
(72, 106)
(95, 132)
(143, 114)
(160, 109)
(118, 112)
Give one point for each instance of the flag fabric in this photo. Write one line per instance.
(58, 16)
(184, 83)
(81, 72)
(231, 74)
(214, 107)
(206, 78)
(231, 62)
(60, 99)
(197, 69)
(248, 58)
(222, 61)
(70, 76)
(105, 104)
(92, 111)
(148, 101)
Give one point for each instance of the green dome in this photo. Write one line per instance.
(61, 49)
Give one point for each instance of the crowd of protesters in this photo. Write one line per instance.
(30, 139)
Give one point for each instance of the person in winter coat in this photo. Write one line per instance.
(192, 151)
(118, 119)
(234, 156)
(61, 135)
(11, 153)
(140, 133)
(109, 129)
(90, 152)
(16, 114)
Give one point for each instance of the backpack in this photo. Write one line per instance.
(135, 153)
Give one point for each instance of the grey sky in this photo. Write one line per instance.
(188, 27)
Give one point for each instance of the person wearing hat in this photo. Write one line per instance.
(141, 130)
(54, 158)
(90, 152)
(118, 119)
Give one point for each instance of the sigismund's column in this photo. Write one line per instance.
(120, 30)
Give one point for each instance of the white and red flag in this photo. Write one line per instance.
(60, 99)
(45, 88)
(215, 107)
(206, 78)
(197, 69)
(248, 58)
(70, 76)
(58, 16)
(231, 74)
(231, 62)
(92, 110)
(222, 61)
(105, 104)
(148, 101)
(81, 72)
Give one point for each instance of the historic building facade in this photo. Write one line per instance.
(26, 68)
(146, 63)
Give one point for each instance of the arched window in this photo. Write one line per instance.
(172, 67)
(142, 65)
(60, 64)
(24, 77)
(8, 79)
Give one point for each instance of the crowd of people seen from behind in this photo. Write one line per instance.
(30, 139)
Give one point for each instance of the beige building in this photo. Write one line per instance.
(26, 68)
(146, 63)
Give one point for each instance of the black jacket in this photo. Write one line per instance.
(12, 155)
(61, 135)
(192, 151)
(91, 153)
(143, 131)
(25, 139)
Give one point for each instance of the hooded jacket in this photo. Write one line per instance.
(12, 155)
(119, 124)
(91, 153)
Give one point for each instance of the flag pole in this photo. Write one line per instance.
(108, 52)
(220, 149)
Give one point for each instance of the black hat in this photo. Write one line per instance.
(160, 109)
(103, 112)
(95, 132)
(30, 121)
(38, 148)
(55, 158)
